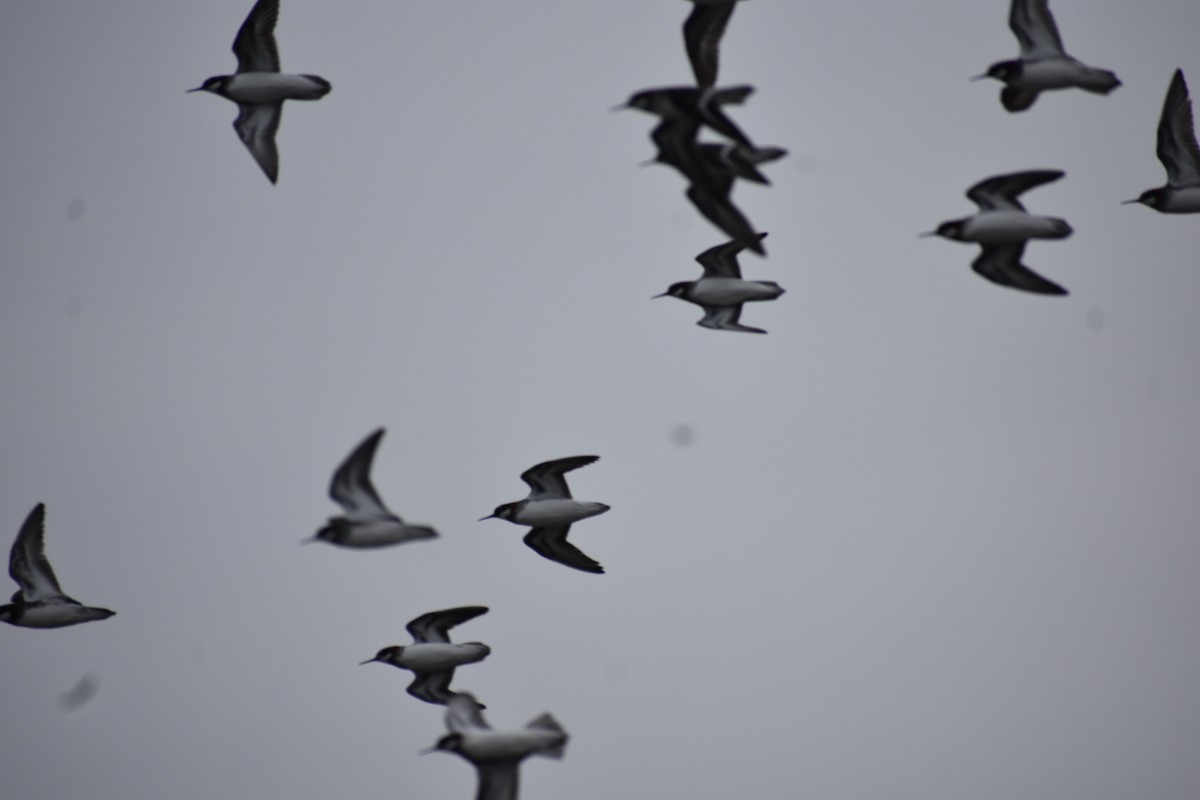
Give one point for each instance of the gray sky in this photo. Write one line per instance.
(934, 539)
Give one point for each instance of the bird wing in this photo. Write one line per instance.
(27, 562)
(432, 687)
(351, 486)
(1000, 191)
(551, 542)
(1002, 264)
(1035, 28)
(434, 626)
(721, 261)
(725, 318)
(546, 479)
(463, 713)
(497, 780)
(702, 34)
(1177, 149)
(256, 124)
(255, 46)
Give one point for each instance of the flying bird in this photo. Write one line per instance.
(1179, 154)
(259, 88)
(497, 755)
(1043, 64)
(432, 656)
(367, 521)
(702, 32)
(1002, 227)
(550, 510)
(721, 290)
(695, 104)
(40, 602)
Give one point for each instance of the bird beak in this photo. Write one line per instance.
(368, 661)
(648, 162)
(197, 89)
(427, 751)
(979, 77)
(926, 233)
(489, 516)
(1127, 202)
(310, 540)
(620, 107)
(664, 294)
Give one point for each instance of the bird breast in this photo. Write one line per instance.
(435, 657)
(731, 291)
(272, 87)
(556, 511)
(1010, 226)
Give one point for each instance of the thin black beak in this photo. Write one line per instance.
(979, 77)
(1127, 202)
(927, 233)
(489, 516)
(368, 661)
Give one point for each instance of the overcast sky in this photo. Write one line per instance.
(931, 539)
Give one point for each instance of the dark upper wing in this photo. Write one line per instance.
(1177, 149)
(255, 46)
(721, 261)
(551, 542)
(497, 780)
(702, 34)
(432, 687)
(546, 479)
(351, 487)
(1034, 26)
(1000, 191)
(725, 318)
(27, 563)
(256, 124)
(1002, 265)
(433, 627)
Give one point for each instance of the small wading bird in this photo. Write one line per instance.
(367, 522)
(497, 755)
(1002, 227)
(721, 290)
(432, 656)
(1179, 154)
(259, 88)
(1043, 64)
(40, 602)
(550, 509)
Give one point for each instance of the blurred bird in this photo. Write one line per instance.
(550, 509)
(698, 105)
(432, 656)
(259, 88)
(721, 290)
(367, 521)
(497, 755)
(40, 602)
(1179, 154)
(1002, 227)
(1043, 63)
(702, 32)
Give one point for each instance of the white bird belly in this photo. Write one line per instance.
(1009, 227)
(557, 511)
(435, 657)
(503, 745)
(272, 87)
(731, 291)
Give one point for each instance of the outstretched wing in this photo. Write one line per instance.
(464, 713)
(545, 480)
(256, 124)
(721, 261)
(1035, 29)
(434, 626)
(1177, 149)
(27, 563)
(351, 487)
(551, 542)
(702, 34)
(432, 687)
(255, 46)
(725, 318)
(1000, 192)
(1002, 265)
(497, 780)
